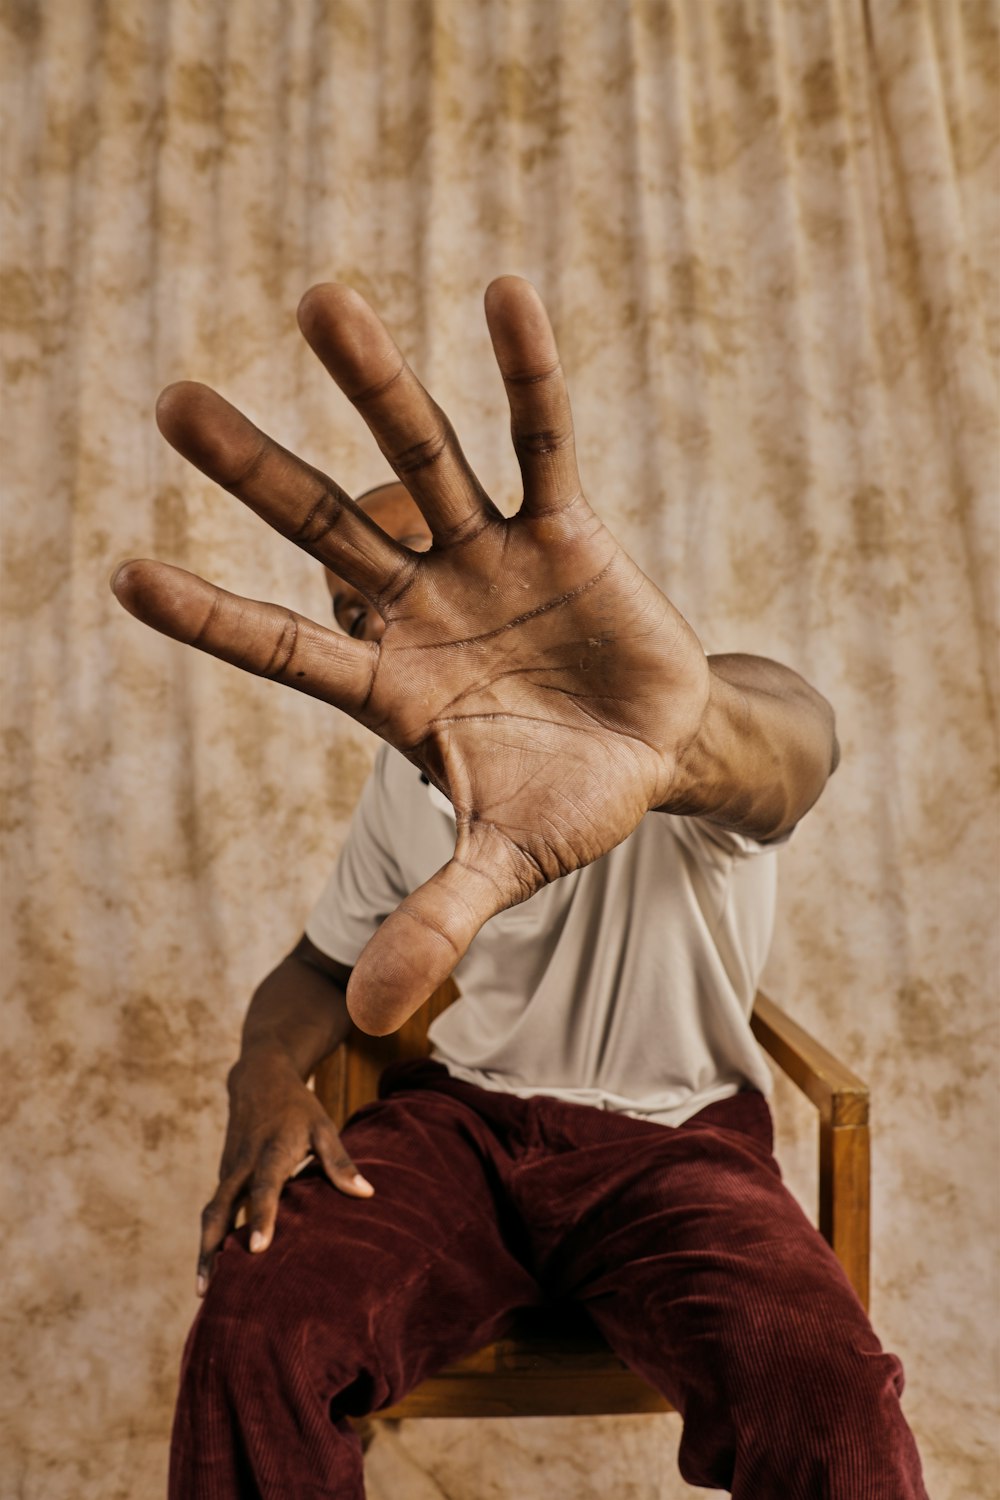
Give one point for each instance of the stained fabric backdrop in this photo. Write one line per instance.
(767, 234)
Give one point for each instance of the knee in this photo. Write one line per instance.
(243, 1324)
(260, 1320)
(837, 1414)
(845, 1388)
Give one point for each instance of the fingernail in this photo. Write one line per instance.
(257, 1241)
(202, 1283)
(362, 1183)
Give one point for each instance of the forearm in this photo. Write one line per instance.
(297, 1016)
(298, 1011)
(764, 752)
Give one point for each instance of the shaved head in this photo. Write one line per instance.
(376, 489)
(391, 507)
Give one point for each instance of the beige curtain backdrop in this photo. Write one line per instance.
(767, 234)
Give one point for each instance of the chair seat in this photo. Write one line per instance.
(552, 1362)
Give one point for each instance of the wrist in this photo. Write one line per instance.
(698, 765)
(261, 1055)
(732, 770)
(762, 752)
(298, 1016)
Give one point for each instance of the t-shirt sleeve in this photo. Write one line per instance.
(711, 842)
(366, 882)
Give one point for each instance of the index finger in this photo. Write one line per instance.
(217, 1219)
(265, 639)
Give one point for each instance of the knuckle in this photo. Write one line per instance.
(273, 1157)
(224, 1196)
(528, 378)
(265, 1190)
(372, 393)
(334, 1154)
(283, 651)
(211, 1239)
(323, 517)
(204, 629)
(540, 441)
(422, 455)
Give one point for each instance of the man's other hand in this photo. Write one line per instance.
(275, 1122)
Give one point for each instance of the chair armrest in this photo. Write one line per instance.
(839, 1095)
(842, 1099)
(348, 1078)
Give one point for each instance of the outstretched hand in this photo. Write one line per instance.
(528, 666)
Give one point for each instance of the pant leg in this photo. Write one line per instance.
(706, 1277)
(353, 1304)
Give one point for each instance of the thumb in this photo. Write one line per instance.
(418, 945)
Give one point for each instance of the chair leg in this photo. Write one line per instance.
(365, 1428)
(845, 1198)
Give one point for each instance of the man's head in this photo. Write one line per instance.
(391, 507)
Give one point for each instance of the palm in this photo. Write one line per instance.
(527, 665)
(538, 713)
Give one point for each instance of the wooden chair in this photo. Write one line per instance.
(554, 1362)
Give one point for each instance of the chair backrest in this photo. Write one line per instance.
(348, 1078)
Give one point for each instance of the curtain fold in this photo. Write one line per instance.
(767, 233)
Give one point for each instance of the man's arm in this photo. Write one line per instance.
(528, 666)
(299, 1011)
(764, 750)
(298, 1015)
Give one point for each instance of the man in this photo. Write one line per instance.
(593, 1124)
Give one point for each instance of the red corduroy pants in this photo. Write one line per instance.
(683, 1243)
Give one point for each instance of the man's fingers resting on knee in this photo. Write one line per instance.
(338, 1166)
(217, 1218)
(262, 1209)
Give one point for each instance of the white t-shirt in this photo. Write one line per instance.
(627, 985)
